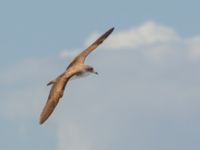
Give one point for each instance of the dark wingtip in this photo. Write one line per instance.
(110, 31)
(104, 36)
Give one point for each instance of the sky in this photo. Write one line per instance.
(146, 96)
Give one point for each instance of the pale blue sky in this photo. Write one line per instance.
(153, 105)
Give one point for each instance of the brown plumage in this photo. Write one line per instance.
(75, 68)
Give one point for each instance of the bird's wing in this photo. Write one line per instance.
(53, 99)
(82, 56)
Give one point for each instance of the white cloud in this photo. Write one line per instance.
(124, 106)
(141, 99)
(149, 33)
(152, 39)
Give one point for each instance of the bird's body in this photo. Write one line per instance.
(75, 68)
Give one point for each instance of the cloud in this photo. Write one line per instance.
(147, 34)
(134, 103)
(154, 40)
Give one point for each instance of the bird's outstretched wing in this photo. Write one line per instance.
(82, 56)
(53, 99)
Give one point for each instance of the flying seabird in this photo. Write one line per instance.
(75, 68)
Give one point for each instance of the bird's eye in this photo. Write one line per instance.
(90, 69)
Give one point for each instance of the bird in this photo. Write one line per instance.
(76, 68)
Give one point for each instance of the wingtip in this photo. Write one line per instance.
(107, 33)
(41, 121)
(111, 29)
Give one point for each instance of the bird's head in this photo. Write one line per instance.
(91, 70)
